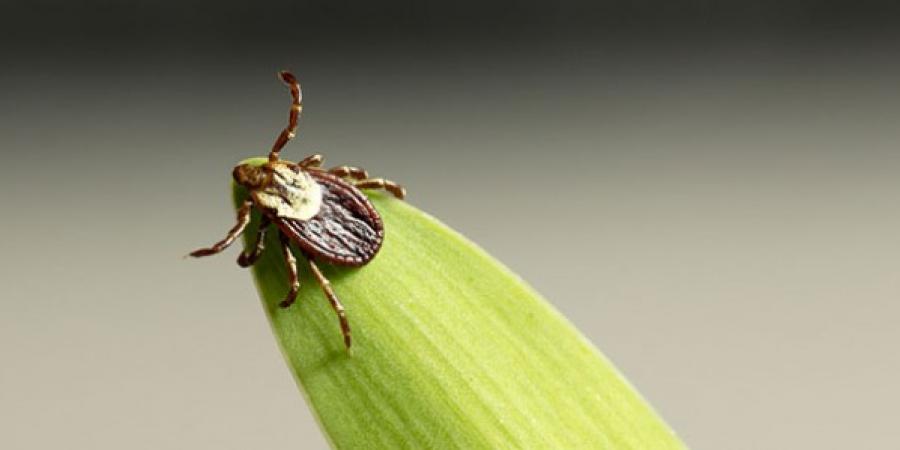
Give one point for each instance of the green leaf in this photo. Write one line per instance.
(450, 350)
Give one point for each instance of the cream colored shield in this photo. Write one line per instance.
(293, 195)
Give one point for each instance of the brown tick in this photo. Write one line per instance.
(322, 211)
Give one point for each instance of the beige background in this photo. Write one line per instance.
(720, 218)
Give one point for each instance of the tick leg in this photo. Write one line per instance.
(332, 298)
(243, 218)
(347, 171)
(381, 183)
(311, 161)
(296, 106)
(247, 259)
(291, 264)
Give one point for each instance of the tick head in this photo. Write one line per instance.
(249, 176)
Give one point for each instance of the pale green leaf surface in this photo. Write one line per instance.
(450, 350)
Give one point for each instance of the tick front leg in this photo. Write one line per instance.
(291, 263)
(381, 183)
(355, 173)
(290, 131)
(247, 259)
(243, 218)
(332, 298)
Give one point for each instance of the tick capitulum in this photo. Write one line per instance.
(322, 211)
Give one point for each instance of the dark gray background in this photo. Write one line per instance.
(708, 190)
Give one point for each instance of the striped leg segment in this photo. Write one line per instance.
(355, 173)
(311, 161)
(291, 262)
(296, 106)
(243, 218)
(332, 298)
(381, 183)
(248, 258)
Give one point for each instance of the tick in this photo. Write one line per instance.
(322, 211)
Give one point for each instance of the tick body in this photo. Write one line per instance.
(321, 210)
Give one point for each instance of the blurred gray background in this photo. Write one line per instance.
(709, 191)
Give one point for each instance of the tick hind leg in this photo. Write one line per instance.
(333, 299)
(381, 183)
(291, 262)
(243, 218)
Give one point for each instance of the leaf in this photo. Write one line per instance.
(450, 350)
